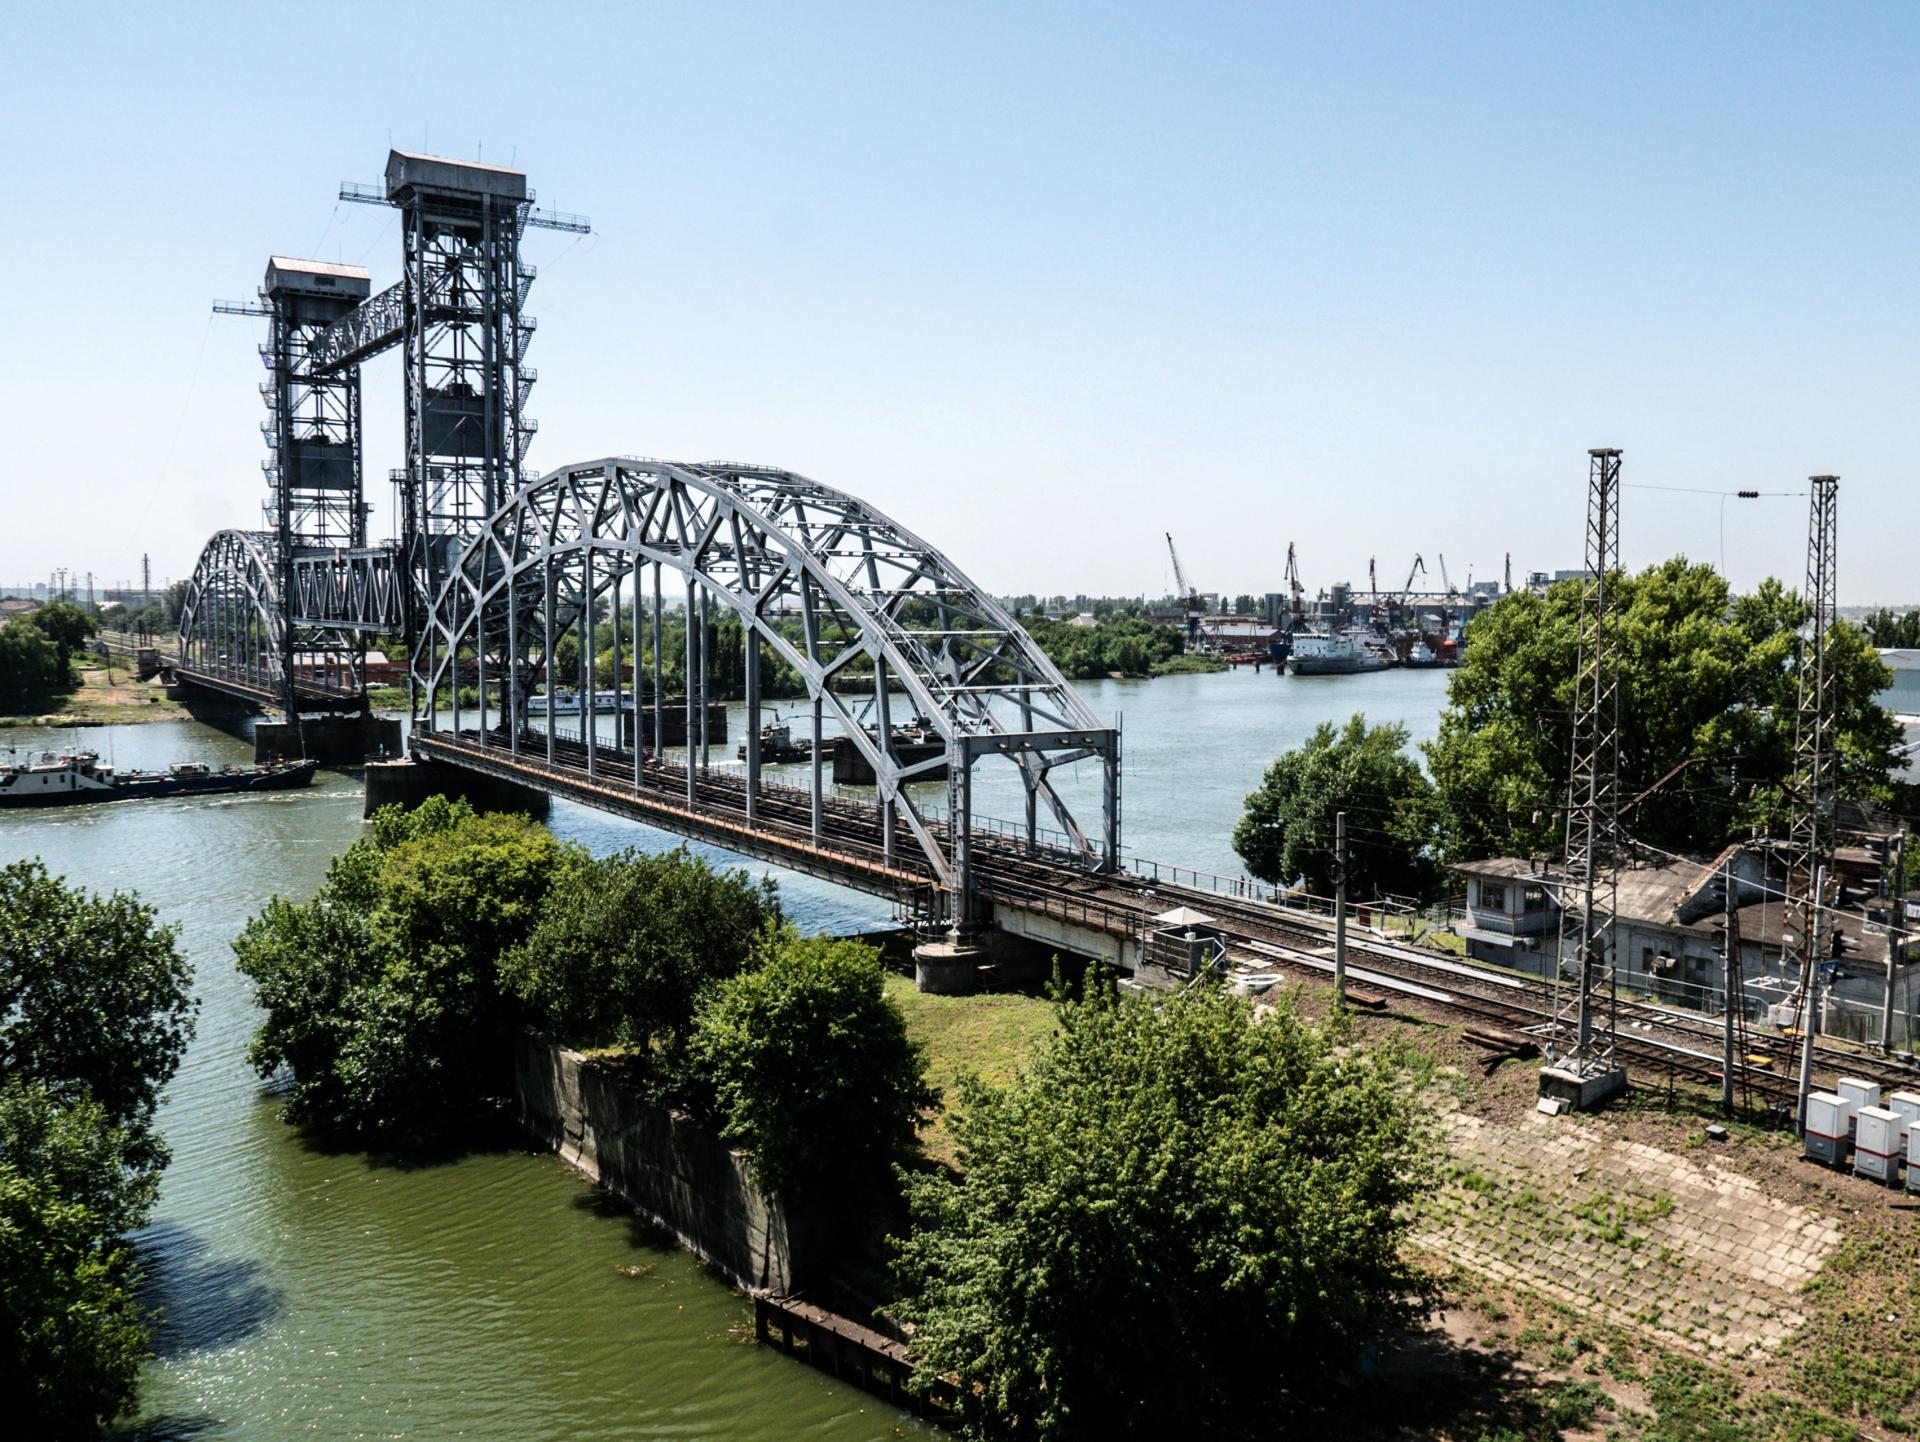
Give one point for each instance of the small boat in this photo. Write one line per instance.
(75, 777)
(566, 702)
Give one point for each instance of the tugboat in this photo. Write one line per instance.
(777, 745)
(74, 778)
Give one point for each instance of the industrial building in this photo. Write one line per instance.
(1669, 929)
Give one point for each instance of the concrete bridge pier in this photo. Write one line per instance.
(403, 781)
(949, 968)
(330, 740)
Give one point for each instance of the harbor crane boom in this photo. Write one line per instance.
(1293, 586)
(1418, 568)
(1446, 580)
(1187, 593)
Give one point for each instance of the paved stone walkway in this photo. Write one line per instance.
(1680, 1250)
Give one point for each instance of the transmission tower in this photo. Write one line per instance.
(1810, 831)
(1582, 1068)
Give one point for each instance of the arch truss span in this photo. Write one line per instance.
(236, 634)
(902, 658)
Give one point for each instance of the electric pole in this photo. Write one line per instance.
(1810, 835)
(1340, 909)
(1896, 934)
(1731, 987)
(1582, 1062)
(1810, 1000)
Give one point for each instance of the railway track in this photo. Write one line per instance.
(1260, 935)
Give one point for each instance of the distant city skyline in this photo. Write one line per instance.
(1044, 285)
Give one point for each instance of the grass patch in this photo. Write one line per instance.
(95, 701)
(989, 1035)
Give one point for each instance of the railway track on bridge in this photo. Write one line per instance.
(1260, 936)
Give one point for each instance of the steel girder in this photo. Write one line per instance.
(348, 590)
(852, 585)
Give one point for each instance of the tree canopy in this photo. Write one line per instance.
(382, 993)
(1173, 1220)
(1128, 644)
(1891, 628)
(1707, 703)
(95, 1014)
(94, 996)
(67, 626)
(625, 944)
(1287, 831)
(29, 664)
(809, 1065)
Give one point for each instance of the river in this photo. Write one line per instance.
(495, 1295)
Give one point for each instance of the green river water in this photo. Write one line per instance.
(496, 1295)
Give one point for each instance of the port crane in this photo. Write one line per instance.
(1418, 568)
(1446, 580)
(1295, 608)
(1188, 595)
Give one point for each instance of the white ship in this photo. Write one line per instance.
(1333, 653)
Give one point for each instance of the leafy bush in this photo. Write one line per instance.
(811, 1067)
(1173, 1220)
(625, 944)
(71, 1336)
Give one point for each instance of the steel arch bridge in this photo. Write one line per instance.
(909, 669)
(877, 624)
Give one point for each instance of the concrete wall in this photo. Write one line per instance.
(673, 1170)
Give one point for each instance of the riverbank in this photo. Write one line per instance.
(106, 699)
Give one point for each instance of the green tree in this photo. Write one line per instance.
(95, 1001)
(1887, 628)
(71, 1336)
(174, 601)
(625, 944)
(1174, 1221)
(29, 665)
(1707, 699)
(67, 626)
(94, 1017)
(812, 1069)
(383, 993)
(1286, 832)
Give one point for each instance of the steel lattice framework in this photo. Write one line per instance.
(1810, 832)
(1582, 1042)
(879, 625)
(235, 632)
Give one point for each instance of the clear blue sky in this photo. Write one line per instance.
(1042, 281)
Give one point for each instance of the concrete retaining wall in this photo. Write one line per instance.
(672, 1169)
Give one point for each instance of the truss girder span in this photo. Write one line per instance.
(881, 628)
(348, 590)
(235, 635)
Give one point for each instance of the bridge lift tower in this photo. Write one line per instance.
(458, 311)
(316, 496)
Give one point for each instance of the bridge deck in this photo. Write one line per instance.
(848, 850)
(251, 686)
